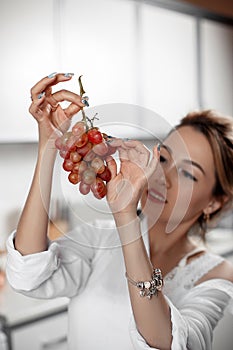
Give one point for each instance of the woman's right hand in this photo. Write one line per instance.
(51, 117)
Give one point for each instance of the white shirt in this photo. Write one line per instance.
(87, 265)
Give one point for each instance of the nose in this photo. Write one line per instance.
(161, 176)
(167, 175)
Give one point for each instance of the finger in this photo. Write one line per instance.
(66, 95)
(35, 108)
(112, 166)
(48, 91)
(71, 110)
(137, 145)
(141, 159)
(123, 154)
(49, 97)
(155, 160)
(115, 142)
(47, 82)
(61, 121)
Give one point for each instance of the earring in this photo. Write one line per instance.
(205, 222)
(206, 218)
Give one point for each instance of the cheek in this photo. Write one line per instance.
(199, 199)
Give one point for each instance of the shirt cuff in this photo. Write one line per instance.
(27, 272)
(179, 332)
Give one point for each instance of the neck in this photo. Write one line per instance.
(174, 243)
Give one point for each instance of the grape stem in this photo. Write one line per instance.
(82, 92)
(85, 119)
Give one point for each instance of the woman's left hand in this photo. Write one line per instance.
(125, 188)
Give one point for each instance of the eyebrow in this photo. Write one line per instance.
(185, 160)
(195, 164)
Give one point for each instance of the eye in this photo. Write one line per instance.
(162, 159)
(187, 174)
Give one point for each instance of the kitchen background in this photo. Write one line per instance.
(145, 64)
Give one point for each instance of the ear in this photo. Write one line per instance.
(215, 204)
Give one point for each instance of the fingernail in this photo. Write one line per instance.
(112, 139)
(41, 95)
(68, 75)
(85, 101)
(126, 139)
(158, 147)
(52, 75)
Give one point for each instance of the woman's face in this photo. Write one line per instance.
(181, 187)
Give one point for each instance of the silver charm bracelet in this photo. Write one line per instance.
(149, 288)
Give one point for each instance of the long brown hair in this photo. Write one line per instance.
(218, 130)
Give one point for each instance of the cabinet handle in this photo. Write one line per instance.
(50, 344)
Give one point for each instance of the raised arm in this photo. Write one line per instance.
(31, 235)
(152, 317)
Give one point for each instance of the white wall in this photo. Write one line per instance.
(17, 162)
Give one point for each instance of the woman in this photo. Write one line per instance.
(188, 182)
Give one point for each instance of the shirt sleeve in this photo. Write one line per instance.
(61, 270)
(195, 318)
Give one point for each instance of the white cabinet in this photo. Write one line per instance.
(27, 54)
(217, 66)
(168, 62)
(129, 53)
(98, 41)
(135, 54)
(47, 334)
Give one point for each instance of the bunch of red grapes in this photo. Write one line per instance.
(84, 150)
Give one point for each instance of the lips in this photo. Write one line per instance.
(156, 196)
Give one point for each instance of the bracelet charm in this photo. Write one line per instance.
(149, 288)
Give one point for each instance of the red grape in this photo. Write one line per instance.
(98, 188)
(84, 188)
(81, 140)
(101, 149)
(65, 137)
(95, 136)
(79, 167)
(71, 143)
(75, 157)
(79, 128)
(64, 153)
(88, 176)
(85, 149)
(74, 178)
(89, 156)
(68, 165)
(98, 165)
(106, 174)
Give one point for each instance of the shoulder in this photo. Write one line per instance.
(224, 270)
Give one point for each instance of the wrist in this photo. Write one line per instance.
(125, 217)
(46, 153)
(128, 228)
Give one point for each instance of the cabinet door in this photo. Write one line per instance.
(27, 54)
(47, 334)
(168, 63)
(98, 41)
(217, 66)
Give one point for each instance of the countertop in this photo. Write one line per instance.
(17, 308)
